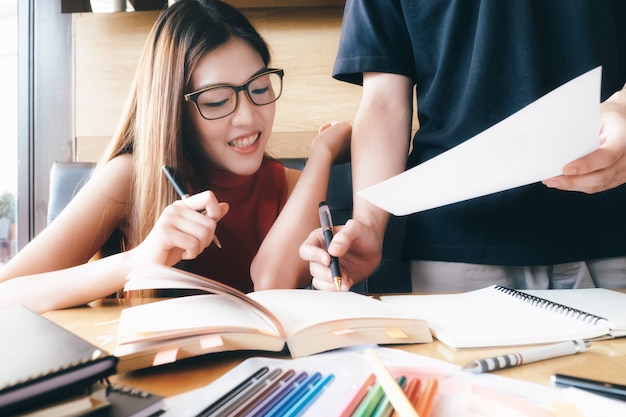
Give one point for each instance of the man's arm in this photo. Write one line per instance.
(379, 150)
(380, 140)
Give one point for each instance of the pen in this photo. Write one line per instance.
(327, 228)
(183, 195)
(607, 389)
(526, 356)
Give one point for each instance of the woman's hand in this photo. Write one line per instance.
(334, 137)
(183, 231)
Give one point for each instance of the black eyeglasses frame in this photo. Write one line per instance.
(193, 96)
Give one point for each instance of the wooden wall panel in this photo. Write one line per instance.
(303, 41)
(106, 49)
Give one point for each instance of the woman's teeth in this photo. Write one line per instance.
(243, 142)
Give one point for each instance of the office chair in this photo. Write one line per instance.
(66, 179)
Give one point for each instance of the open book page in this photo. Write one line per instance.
(598, 301)
(320, 320)
(189, 316)
(151, 276)
(170, 330)
(299, 310)
(489, 317)
(528, 146)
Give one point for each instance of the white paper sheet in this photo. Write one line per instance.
(350, 369)
(529, 146)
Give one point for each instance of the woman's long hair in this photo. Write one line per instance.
(152, 128)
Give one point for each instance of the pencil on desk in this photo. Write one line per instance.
(371, 399)
(399, 401)
(358, 397)
(309, 397)
(183, 195)
(241, 391)
(425, 401)
(412, 392)
(384, 408)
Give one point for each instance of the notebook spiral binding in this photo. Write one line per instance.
(552, 306)
(121, 389)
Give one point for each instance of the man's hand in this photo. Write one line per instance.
(358, 248)
(604, 168)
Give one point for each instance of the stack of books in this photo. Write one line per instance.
(49, 371)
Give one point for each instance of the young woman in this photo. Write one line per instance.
(202, 102)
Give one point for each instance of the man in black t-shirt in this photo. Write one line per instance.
(472, 64)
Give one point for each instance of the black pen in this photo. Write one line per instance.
(183, 194)
(327, 228)
(607, 389)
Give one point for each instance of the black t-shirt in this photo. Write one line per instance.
(475, 63)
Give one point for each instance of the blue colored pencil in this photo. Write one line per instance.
(271, 400)
(295, 394)
(305, 401)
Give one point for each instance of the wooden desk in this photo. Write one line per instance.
(605, 360)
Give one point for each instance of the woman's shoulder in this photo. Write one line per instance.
(119, 167)
(122, 163)
(114, 176)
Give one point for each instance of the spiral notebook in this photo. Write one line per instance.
(499, 316)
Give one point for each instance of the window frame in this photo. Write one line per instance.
(45, 107)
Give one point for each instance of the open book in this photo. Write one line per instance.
(224, 319)
(498, 316)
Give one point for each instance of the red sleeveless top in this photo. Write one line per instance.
(255, 202)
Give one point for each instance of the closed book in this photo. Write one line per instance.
(42, 362)
(88, 402)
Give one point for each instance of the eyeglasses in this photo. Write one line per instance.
(221, 100)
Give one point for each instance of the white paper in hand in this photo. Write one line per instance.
(529, 146)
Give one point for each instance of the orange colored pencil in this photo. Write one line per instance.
(425, 401)
(412, 392)
(358, 397)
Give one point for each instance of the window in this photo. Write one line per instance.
(8, 128)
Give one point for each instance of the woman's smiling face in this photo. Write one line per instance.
(234, 143)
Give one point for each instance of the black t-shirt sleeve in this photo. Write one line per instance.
(374, 38)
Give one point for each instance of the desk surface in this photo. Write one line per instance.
(97, 323)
